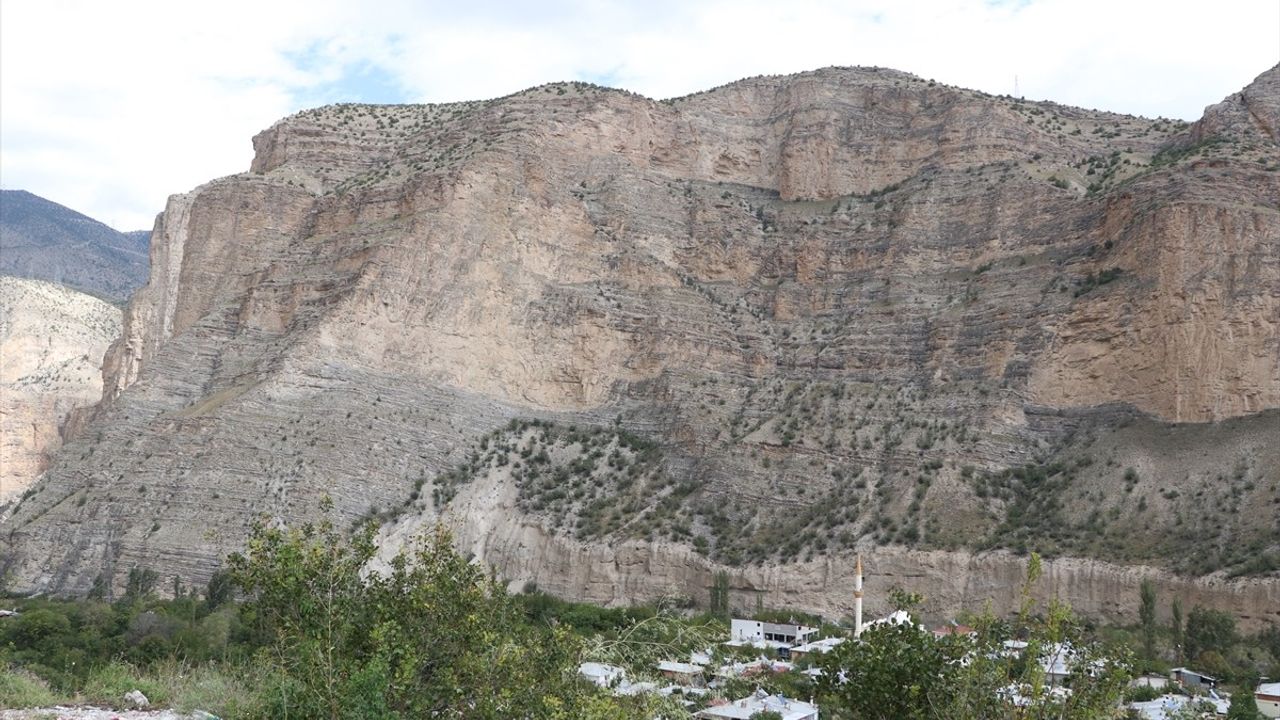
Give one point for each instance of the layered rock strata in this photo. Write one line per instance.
(52, 340)
(855, 309)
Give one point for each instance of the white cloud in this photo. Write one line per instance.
(110, 107)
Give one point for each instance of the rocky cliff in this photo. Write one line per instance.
(51, 344)
(620, 343)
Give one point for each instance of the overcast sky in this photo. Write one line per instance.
(109, 107)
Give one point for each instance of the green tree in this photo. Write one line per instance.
(1175, 629)
(39, 627)
(219, 590)
(1208, 630)
(141, 584)
(1243, 705)
(900, 599)
(100, 587)
(720, 594)
(1147, 618)
(893, 671)
(905, 672)
(433, 636)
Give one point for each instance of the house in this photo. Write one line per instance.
(760, 703)
(753, 668)
(1268, 697)
(602, 675)
(953, 629)
(1166, 707)
(818, 647)
(1021, 695)
(1155, 682)
(776, 634)
(687, 674)
(897, 617)
(1191, 679)
(1057, 662)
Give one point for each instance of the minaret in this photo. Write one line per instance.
(857, 598)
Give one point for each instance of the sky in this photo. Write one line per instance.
(110, 107)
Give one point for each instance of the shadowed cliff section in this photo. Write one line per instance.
(854, 309)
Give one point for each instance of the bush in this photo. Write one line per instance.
(40, 626)
(432, 637)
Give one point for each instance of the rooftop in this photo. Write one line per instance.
(679, 667)
(745, 708)
(819, 646)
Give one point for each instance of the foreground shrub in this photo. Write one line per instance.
(434, 636)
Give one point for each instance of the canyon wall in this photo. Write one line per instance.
(51, 344)
(853, 309)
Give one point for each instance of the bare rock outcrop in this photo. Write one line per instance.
(51, 344)
(847, 309)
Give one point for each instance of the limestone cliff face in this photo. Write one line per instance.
(842, 302)
(51, 345)
(1198, 338)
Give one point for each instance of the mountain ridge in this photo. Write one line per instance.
(43, 240)
(851, 314)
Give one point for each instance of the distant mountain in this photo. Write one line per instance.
(43, 240)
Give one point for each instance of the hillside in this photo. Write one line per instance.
(43, 240)
(51, 344)
(621, 344)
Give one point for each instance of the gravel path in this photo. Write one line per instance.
(92, 713)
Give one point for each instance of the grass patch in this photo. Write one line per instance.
(108, 684)
(22, 689)
(212, 687)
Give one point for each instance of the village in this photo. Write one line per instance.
(759, 650)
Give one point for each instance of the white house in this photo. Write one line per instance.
(780, 634)
(1059, 660)
(682, 673)
(760, 702)
(820, 647)
(1161, 708)
(602, 675)
(1268, 697)
(1056, 662)
(897, 617)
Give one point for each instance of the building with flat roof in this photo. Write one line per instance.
(1187, 677)
(758, 703)
(681, 673)
(785, 634)
(1268, 698)
(602, 675)
(816, 647)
